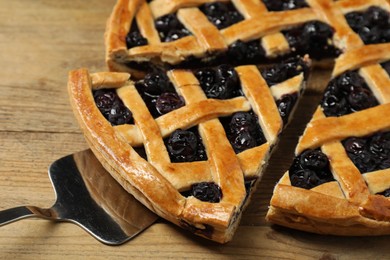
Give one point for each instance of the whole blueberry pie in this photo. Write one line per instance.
(189, 144)
(339, 180)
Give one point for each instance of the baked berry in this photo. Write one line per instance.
(222, 84)
(282, 5)
(207, 191)
(313, 38)
(285, 104)
(170, 28)
(134, 38)
(185, 146)
(346, 94)
(370, 153)
(284, 70)
(168, 102)
(310, 169)
(372, 25)
(245, 52)
(243, 131)
(112, 107)
(221, 15)
(155, 84)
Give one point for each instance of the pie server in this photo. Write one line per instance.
(88, 196)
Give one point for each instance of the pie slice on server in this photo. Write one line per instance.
(339, 181)
(190, 145)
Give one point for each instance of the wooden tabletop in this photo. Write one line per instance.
(40, 41)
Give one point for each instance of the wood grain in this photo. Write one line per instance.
(40, 41)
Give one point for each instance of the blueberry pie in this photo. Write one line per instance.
(339, 180)
(189, 144)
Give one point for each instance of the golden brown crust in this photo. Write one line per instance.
(348, 205)
(157, 182)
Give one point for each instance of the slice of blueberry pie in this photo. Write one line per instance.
(339, 181)
(141, 35)
(190, 145)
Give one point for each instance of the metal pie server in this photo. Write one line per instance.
(88, 196)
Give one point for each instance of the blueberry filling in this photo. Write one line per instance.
(313, 38)
(170, 28)
(385, 193)
(219, 83)
(185, 146)
(205, 191)
(134, 38)
(141, 152)
(372, 25)
(285, 104)
(284, 70)
(310, 169)
(386, 66)
(222, 15)
(370, 153)
(112, 107)
(159, 94)
(244, 52)
(243, 131)
(346, 94)
(282, 5)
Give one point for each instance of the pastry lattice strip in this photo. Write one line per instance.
(351, 197)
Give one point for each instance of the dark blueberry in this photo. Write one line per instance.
(386, 66)
(314, 38)
(310, 169)
(243, 131)
(168, 102)
(242, 121)
(346, 94)
(242, 141)
(207, 191)
(285, 104)
(361, 98)
(221, 15)
(206, 77)
(185, 146)
(370, 153)
(156, 83)
(314, 160)
(170, 28)
(112, 107)
(354, 145)
(226, 84)
(182, 145)
(241, 51)
(372, 25)
(385, 193)
(134, 39)
(282, 5)
(284, 70)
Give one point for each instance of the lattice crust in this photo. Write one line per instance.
(157, 182)
(349, 205)
(207, 41)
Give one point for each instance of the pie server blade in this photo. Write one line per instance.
(88, 196)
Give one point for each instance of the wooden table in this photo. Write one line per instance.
(40, 41)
